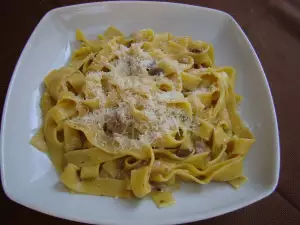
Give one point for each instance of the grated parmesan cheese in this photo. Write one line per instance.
(128, 87)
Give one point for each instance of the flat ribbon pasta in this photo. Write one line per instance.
(135, 116)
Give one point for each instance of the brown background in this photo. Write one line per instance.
(274, 30)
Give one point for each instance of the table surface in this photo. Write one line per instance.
(275, 35)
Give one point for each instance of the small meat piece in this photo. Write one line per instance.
(195, 50)
(200, 146)
(196, 66)
(184, 152)
(128, 44)
(155, 71)
(204, 65)
(158, 187)
(114, 125)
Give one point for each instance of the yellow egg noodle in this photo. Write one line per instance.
(136, 116)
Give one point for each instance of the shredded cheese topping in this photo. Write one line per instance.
(141, 107)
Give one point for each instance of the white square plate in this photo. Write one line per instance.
(27, 174)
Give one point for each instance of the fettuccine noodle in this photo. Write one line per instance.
(136, 116)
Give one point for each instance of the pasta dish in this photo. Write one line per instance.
(136, 116)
